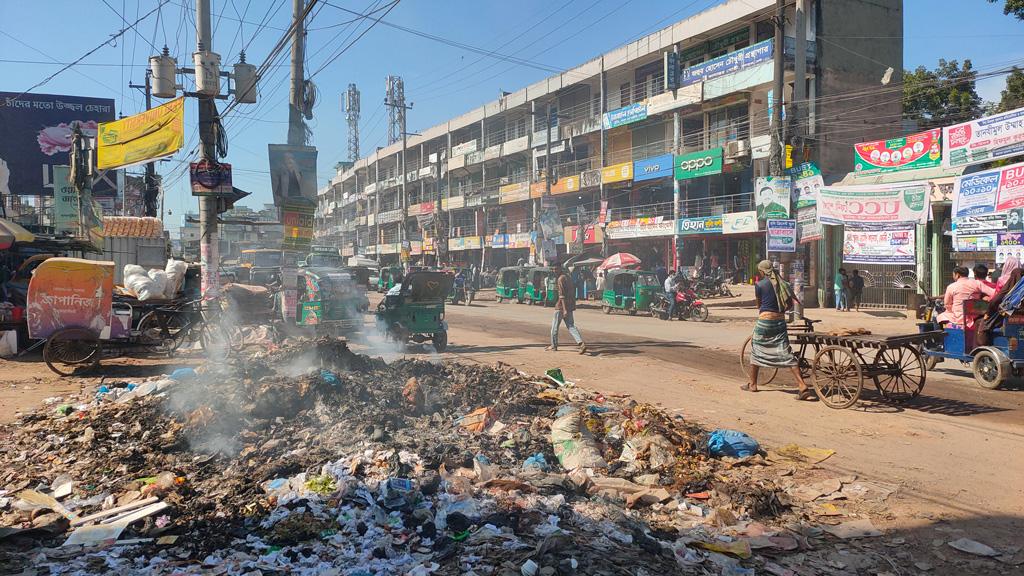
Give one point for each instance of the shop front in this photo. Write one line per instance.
(649, 239)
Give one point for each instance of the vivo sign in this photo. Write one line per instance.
(651, 168)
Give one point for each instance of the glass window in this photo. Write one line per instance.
(693, 132)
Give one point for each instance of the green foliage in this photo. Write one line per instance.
(1012, 7)
(940, 97)
(1013, 95)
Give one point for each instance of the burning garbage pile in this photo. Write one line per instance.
(321, 461)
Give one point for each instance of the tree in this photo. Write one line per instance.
(940, 97)
(1013, 95)
(1014, 7)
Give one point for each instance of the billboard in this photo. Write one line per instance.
(37, 136)
(872, 244)
(293, 174)
(922, 150)
(983, 140)
(874, 204)
(143, 137)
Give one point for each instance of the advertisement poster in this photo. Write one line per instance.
(739, 222)
(651, 168)
(292, 173)
(65, 203)
(640, 228)
(873, 204)
(143, 137)
(772, 196)
(625, 115)
(781, 235)
(210, 178)
(808, 229)
(983, 140)
(867, 244)
(807, 183)
(1009, 244)
(37, 136)
(975, 194)
(708, 225)
(70, 293)
(978, 243)
(1015, 220)
(550, 225)
(298, 227)
(981, 224)
(922, 150)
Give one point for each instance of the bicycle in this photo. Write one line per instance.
(802, 347)
(166, 328)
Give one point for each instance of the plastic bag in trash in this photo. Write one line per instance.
(732, 443)
(574, 445)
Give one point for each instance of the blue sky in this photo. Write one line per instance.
(551, 33)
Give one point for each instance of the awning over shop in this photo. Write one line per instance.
(11, 232)
(941, 179)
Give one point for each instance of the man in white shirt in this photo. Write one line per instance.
(670, 291)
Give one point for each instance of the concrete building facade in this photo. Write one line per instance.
(647, 146)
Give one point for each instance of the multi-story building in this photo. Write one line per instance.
(670, 127)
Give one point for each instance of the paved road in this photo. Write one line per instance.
(714, 346)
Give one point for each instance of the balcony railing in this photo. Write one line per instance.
(642, 211)
(716, 205)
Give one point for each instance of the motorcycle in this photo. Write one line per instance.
(688, 306)
(459, 295)
(711, 285)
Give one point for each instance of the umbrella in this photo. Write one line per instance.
(11, 232)
(620, 260)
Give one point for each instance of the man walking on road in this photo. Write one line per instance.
(563, 311)
(770, 343)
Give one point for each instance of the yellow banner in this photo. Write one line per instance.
(136, 139)
(617, 173)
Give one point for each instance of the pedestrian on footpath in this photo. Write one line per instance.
(671, 283)
(841, 285)
(856, 290)
(563, 311)
(769, 346)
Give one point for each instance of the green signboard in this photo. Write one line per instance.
(697, 164)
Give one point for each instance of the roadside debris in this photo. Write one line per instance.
(316, 460)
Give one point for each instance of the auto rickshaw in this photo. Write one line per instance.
(508, 286)
(386, 277)
(262, 264)
(629, 290)
(540, 289)
(416, 311)
(331, 301)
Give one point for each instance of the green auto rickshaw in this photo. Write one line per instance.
(330, 301)
(629, 290)
(386, 277)
(540, 288)
(508, 287)
(416, 310)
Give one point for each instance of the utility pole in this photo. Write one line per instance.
(394, 99)
(151, 192)
(352, 118)
(209, 248)
(775, 160)
(296, 126)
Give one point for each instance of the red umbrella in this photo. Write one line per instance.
(620, 260)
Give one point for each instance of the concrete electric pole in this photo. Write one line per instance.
(776, 164)
(209, 249)
(296, 99)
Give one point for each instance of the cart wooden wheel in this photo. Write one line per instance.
(72, 348)
(900, 373)
(837, 375)
(765, 375)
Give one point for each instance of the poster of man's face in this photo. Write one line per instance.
(293, 173)
(1015, 220)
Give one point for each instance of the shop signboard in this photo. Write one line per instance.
(566, 185)
(975, 243)
(593, 234)
(464, 148)
(729, 63)
(708, 225)
(773, 196)
(499, 241)
(651, 168)
(874, 204)
(617, 173)
(807, 182)
(640, 228)
(514, 193)
(879, 244)
(980, 224)
(298, 227)
(808, 229)
(1009, 244)
(697, 164)
(590, 178)
(65, 203)
(521, 240)
(537, 189)
(983, 140)
(626, 115)
(210, 178)
(781, 235)
(921, 150)
(739, 222)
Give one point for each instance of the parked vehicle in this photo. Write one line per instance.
(688, 306)
(386, 277)
(713, 284)
(540, 286)
(260, 266)
(511, 284)
(629, 290)
(416, 311)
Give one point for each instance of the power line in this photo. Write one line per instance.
(357, 38)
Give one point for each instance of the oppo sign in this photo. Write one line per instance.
(696, 164)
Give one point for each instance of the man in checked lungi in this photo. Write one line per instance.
(770, 344)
